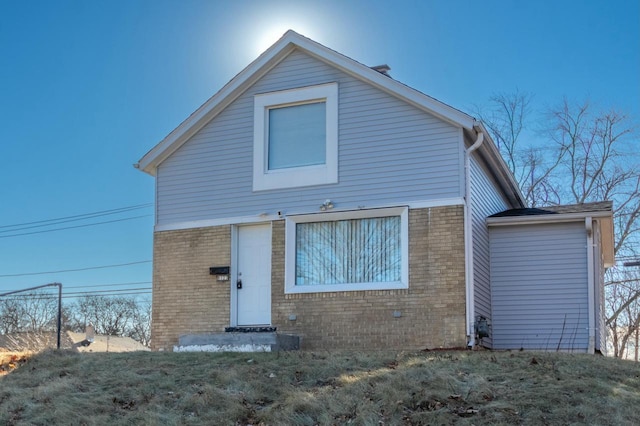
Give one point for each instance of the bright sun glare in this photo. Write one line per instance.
(265, 39)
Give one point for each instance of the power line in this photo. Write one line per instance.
(141, 293)
(108, 285)
(73, 227)
(75, 270)
(147, 289)
(50, 222)
(82, 287)
(84, 215)
(37, 295)
(82, 295)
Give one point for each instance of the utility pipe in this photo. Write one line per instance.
(591, 283)
(468, 236)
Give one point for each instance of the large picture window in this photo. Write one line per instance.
(296, 137)
(345, 251)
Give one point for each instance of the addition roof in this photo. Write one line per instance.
(602, 206)
(602, 211)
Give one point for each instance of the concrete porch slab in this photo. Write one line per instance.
(237, 342)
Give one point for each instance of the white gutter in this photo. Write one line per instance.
(497, 165)
(591, 284)
(468, 237)
(545, 218)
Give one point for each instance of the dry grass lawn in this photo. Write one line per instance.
(309, 388)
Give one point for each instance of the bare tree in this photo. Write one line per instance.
(597, 161)
(600, 165)
(584, 155)
(141, 323)
(507, 118)
(34, 312)
(9, 316)
(623, 304)
(109, 315)
(114, 316)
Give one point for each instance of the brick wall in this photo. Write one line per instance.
(187, 300)
(432, 309)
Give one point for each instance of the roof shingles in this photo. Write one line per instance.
(600, 206)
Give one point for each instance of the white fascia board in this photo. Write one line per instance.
(268, 60)
(500, 168)
(206, 223)
(214, 105)
(385, 83)
(545, 218)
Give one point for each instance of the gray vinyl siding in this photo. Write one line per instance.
(389, 152)
(539, 287)
(485, 201)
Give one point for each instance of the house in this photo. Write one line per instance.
(322, 198)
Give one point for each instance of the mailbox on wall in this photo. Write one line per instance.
(221, 272)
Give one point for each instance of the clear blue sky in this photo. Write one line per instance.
(88, 87)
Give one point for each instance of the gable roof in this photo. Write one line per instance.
(265, 62)
(278, 52)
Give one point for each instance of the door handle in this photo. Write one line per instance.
(239, 284)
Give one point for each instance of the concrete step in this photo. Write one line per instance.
(244, 341)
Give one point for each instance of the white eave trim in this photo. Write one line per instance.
(385, 83)
(545, 218)
(500, 169)
(212, 107)
(278, 51)
(266, 217)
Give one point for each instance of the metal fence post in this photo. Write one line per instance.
(59, 285)
(59, 313)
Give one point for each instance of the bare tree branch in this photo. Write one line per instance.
(584, 158)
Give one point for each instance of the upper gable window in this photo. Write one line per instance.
(296, 137)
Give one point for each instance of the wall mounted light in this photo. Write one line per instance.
(327, 205)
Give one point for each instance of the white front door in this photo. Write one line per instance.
(253, 285)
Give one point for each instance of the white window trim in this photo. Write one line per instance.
(290, 250)
(265, 179)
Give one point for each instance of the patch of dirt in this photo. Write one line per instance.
(11, 361)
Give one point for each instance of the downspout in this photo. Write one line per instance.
(591, 287)
(468, 237)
